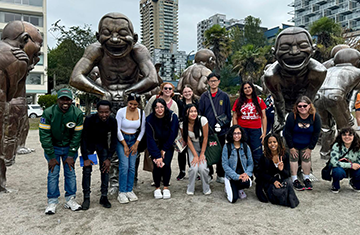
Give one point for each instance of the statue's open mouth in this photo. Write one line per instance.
(295, 62)
(116, 50)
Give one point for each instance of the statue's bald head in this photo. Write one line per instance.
(14, 34)
(33, 32)
(116, 15)
(292, 31)
(348, 55)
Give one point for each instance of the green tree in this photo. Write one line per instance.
(253, 33)
(217, 39)
(238, 39)
(45, 101)
(249, 62)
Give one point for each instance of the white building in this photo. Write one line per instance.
(33, 11)
(204, 25)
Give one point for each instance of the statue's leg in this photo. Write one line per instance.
(2, 176)
(23, 133)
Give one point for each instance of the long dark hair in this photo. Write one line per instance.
(280, 149)
(230, 137)
(355, 145)
(197, 124)
(242, 99)
(167, 113)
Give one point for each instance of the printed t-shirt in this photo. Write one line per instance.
(249, 118)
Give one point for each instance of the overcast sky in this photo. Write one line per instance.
(271, 12)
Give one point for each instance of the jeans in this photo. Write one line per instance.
(254, 142)
(126, 165)
(53, 177)
(86, 180)
(339, 173)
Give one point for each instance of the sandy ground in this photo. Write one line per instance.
(22, 210)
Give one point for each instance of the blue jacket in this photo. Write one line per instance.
(230, 163)
(222, 105)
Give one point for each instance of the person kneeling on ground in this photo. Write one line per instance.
(237, 163)
(345, 159)
(274, 174)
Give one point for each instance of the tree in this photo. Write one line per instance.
(217, 39)
(70, 48)
(238, 39)
(253, 33)
(328, 35)
(249, 62)
(45, 101)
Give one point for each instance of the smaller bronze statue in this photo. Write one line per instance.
(196, 74)
(295, 73)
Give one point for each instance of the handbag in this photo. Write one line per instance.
(326, 171)
(148, 163)
(213, 150)
(222, 119)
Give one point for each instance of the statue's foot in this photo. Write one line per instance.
(113, 192)
(25, 150)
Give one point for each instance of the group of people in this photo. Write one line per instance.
(249, 153)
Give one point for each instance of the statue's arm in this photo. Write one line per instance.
(273, 84)
(150, 80)
(78, 79)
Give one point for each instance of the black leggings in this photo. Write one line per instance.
(165, 171)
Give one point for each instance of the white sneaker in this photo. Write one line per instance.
(158, 194)
(131, 196)
(242, 194)
(50, 209)
(122, 198)
(189, 193)
(72, 204)
(208, 192)
(167, 194)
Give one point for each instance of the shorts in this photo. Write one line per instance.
(301, 152)
(357, 109)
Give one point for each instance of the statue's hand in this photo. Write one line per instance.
(20, 54)
(107, 96)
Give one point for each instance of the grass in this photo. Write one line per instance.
(34, 123)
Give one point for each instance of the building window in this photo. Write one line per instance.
(37, 3)
(41, 61)
(34, 79)
(6, 17)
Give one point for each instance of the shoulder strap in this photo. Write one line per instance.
(212, 104)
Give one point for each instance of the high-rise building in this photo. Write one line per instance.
(33, 11)
(173, 63)
(159, 24)
(344, 12)
(204, 25)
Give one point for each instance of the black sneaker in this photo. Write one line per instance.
(105, 202)
(181, 176)
(298, 186)
(86, 204)
(308, 184)
(353, 187)
(334, 190)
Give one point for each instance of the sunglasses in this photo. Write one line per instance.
(168, 88)
(302, 106)
(135, 95)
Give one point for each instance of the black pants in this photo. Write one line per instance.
(219, 169)
(165, 171)
(86, 177)
(232, 189)
(182, 160)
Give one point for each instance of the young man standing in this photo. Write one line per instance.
(97, 128)
(221, 103)
(60, 134)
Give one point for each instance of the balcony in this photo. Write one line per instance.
(321, 2)
(333, 5)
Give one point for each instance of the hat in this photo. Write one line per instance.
(65, 92)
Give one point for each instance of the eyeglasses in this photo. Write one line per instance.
(237, 133)
(302, 106)
(213, 81)
(135, 95)
(168, 88)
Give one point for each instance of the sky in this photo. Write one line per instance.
(78, 13)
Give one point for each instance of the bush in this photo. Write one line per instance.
(45, 101)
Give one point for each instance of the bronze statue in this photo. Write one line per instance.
(13, 70)
(294, 73)
(124, 67)
(32, 50)
(331, 100)
(196, 74)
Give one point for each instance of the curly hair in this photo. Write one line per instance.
(230, 137)
(355, 145)
(242, 99)
(280, 150)
(197, 124)
(162, 88)
(304, 99)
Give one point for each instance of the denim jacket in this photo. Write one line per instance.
(230, 163)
